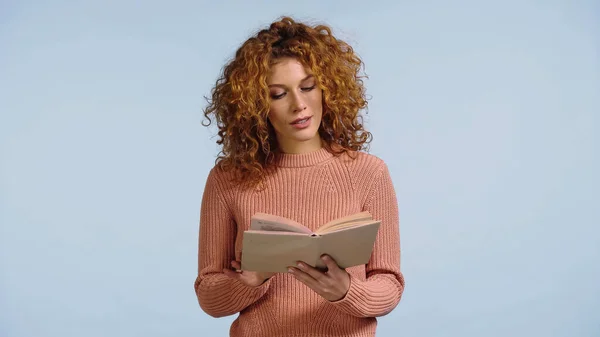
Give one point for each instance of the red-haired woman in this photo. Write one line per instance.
(288, 112)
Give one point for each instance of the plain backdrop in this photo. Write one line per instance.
(486, 112)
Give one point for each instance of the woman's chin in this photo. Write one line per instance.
(306, 137)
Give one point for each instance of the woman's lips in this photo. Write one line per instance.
(302, 123)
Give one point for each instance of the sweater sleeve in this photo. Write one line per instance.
(380, 293)
(218, 294)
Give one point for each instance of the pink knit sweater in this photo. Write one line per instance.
(312, 189)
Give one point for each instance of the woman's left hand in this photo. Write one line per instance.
(331, 285)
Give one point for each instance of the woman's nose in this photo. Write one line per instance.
(299, 104)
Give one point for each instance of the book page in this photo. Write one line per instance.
(274, 223)
(346, 221)
(345, 225)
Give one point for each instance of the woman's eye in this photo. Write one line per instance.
(279, 96)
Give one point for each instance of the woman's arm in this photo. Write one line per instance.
(380, 293)
(218, 294)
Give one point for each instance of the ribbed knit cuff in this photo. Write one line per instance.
(224, 296)
(369, 298)
(242, 291)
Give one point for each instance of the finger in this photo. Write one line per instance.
(332, 266)
(311, 271)
(236, 265)
(304, 278)
(233, 274)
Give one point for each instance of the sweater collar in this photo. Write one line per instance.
(302, 159)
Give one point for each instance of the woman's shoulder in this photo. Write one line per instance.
(363, 168)
(363, 162)
(229, 181)
(221, 177)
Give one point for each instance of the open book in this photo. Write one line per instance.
(274, 243)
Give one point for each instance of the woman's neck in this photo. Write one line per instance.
(307, 146)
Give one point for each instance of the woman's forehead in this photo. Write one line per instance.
(288, 69)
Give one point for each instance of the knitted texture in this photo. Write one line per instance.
(312, 189)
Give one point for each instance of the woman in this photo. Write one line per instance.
(287, 108)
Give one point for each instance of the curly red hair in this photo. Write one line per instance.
(240, 99)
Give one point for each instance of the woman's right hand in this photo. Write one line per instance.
(249, 278)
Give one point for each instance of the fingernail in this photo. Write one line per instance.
(291, 270)
(300, 265)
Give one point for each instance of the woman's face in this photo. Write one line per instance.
(296, 106)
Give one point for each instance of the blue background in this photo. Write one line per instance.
(486, 113)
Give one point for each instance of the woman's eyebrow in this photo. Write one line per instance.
(284, 86)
